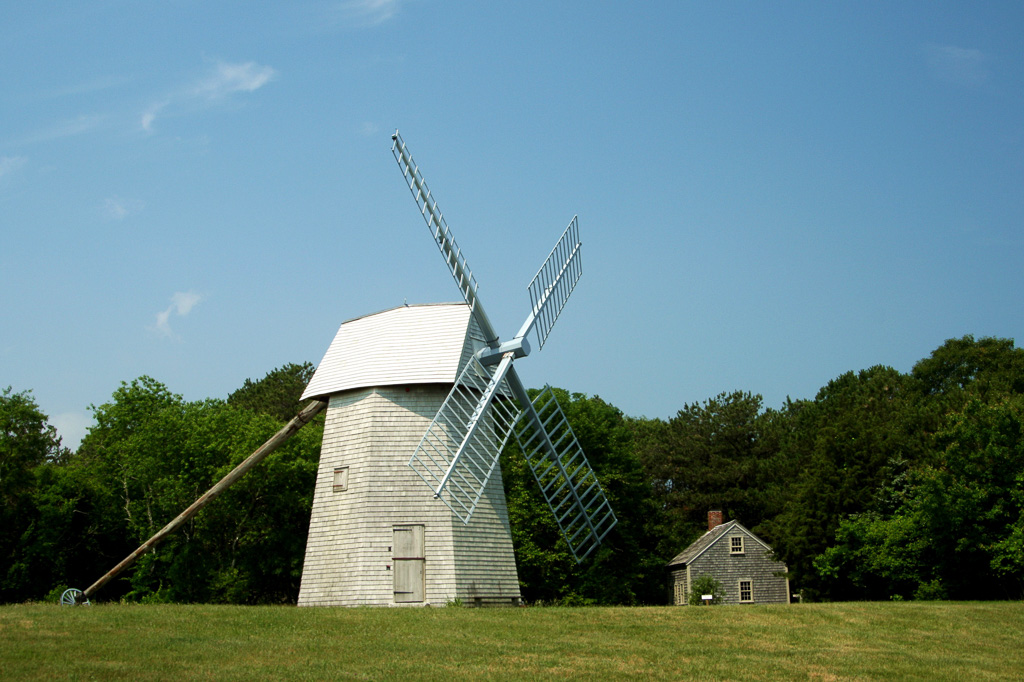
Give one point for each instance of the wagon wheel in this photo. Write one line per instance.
(73, 597)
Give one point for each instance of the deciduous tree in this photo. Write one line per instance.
(861, 430)
(27, 441)
(623, 570)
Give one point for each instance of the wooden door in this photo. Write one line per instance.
(408, 560)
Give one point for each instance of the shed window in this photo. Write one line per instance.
(736, 544)
(340, 479)
(746, 591)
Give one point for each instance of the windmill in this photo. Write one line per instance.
(376, 536)
(439, 388)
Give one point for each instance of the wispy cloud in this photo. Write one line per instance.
(87, 87)
(182, 304)
(228, 78)
(116, 208)
(367, 12)
(225, 80)
(66, 128)
(9, 164)
(958, 65)
(150, 115)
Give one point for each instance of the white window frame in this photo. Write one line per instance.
(750, 589)
(340, 479)
(733, 546)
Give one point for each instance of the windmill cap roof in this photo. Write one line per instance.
(410, 344)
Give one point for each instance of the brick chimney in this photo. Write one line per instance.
(714, 518)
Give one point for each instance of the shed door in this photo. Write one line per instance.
(408, 562)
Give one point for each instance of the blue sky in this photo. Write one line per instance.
(769, 194)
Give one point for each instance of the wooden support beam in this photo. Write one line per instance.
(312, 409)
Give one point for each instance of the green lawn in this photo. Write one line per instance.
(925, 640)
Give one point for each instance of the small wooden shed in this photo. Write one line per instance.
(738, 559)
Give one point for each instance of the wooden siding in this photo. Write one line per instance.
(717, 560)
(349, 558)
(418, 344)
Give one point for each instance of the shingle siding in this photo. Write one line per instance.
(712, 555)
(349, 561)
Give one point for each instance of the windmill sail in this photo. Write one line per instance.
(460, 449)
(435, 221)
(554, 281)
(569, 485)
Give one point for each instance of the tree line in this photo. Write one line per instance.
(885, 485)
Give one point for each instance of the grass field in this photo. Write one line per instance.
(904, 641)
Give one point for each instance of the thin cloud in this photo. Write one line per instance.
(367, 12)
(229, 78)
(10, 164)
(182, 304)
(87, 87)
(225, 80)
(958, 65)
(67, 128)
(116, 208)
(150, 115)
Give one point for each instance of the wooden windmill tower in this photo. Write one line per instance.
(376, 537)
(435, 382)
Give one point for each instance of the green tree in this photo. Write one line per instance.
(706, 584)
(27, 442)
(277, 394)
(156, 454)
(985, 367)
(973, 501)
(947, 522)
(623, 570)
(878, 557)
(712, 455)
(67, 541)
(861, 431)
(956, 530)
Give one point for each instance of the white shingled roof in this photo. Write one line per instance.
(411, 344)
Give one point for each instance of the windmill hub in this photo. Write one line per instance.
(519, 348)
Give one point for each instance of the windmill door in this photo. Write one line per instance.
(408, 562)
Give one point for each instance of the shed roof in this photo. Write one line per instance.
(410, 344)
(709, 538)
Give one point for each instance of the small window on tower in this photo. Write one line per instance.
(736, 544)
(340, 479)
